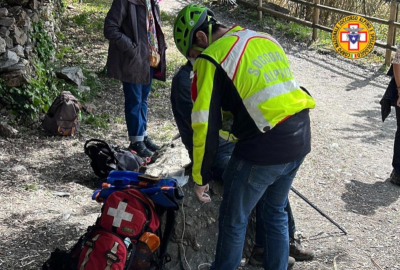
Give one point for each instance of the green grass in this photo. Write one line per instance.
(63, 51)
(167, 18)
(299, 32)
(32, 187)
(119, 120)
(91, 21)
(97, 121)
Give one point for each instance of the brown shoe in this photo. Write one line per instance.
(256, 258)
(395, 178)
(298, 252)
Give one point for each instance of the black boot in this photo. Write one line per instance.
(140, 149)
(150, 144)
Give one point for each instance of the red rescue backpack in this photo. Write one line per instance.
(103, 250)
(125, 216)
(129, 213)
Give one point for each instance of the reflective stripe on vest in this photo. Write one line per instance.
(231, 61)
(261, 96)
(200, 116)
(260, 103)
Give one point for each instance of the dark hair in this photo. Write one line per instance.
(204, 27)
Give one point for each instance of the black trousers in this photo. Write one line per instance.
(396, 149)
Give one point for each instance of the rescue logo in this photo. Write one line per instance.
(353, 37)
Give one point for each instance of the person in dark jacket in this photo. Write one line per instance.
(182, 108)
(182, 105)
(392, 98)
(136, 55)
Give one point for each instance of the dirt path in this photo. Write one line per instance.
(346, 174)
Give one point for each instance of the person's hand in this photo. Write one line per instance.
(201, 193)
(398, 101)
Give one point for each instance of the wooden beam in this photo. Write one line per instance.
(344, 12)
(304, 22)
(391, 32)
(315, 20)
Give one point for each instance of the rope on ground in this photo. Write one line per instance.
(183, 231)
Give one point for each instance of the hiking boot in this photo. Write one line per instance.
(298, 252)
(256, 258)
(395, 178)
(150, 144)
(140, 149)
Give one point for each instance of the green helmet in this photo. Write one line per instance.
(189, 19)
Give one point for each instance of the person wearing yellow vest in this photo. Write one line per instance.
(247, 74)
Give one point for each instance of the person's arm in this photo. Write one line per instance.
(182, 105)
(183, 85)
(396, 73)
(112, 25)
(206, 120)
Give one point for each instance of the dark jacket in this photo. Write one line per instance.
(128, 53)
(286, 142)
(389, 99)
(182, 105)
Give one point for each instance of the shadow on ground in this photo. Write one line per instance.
(365, 199)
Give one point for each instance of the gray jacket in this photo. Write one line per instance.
(128, 53)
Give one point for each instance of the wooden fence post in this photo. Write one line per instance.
(315, 20)
(260, 2)
(391, 31)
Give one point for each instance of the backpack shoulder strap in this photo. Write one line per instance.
(166, 236)
(103, 143)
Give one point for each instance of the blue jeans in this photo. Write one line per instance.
(221, 158)
(245, 187)
(260, 230)
(136, 108)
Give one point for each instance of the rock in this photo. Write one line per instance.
(3, 12)
(7, 130)
(93, 75)
(17, 2)
(8, 59)
(4, 32)
(71, 74)
(15, 79)
(7, 21)
(19, 50)
(61, 194)
(3, 45)
(9, 42)
(19, 36)
(19, 168)
(16, 10)
(34, 4)
(34, 17)
(90, 108)
(83, 88)
(201, 229)
(22, 65)
(22, 20)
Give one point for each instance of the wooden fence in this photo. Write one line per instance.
(392, 22)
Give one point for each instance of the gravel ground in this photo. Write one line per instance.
(345, 175)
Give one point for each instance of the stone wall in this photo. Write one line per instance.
(16, 47)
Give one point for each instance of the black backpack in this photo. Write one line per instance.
(63, 116)
(105, 158)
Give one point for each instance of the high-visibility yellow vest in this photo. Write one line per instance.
(260, 71)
